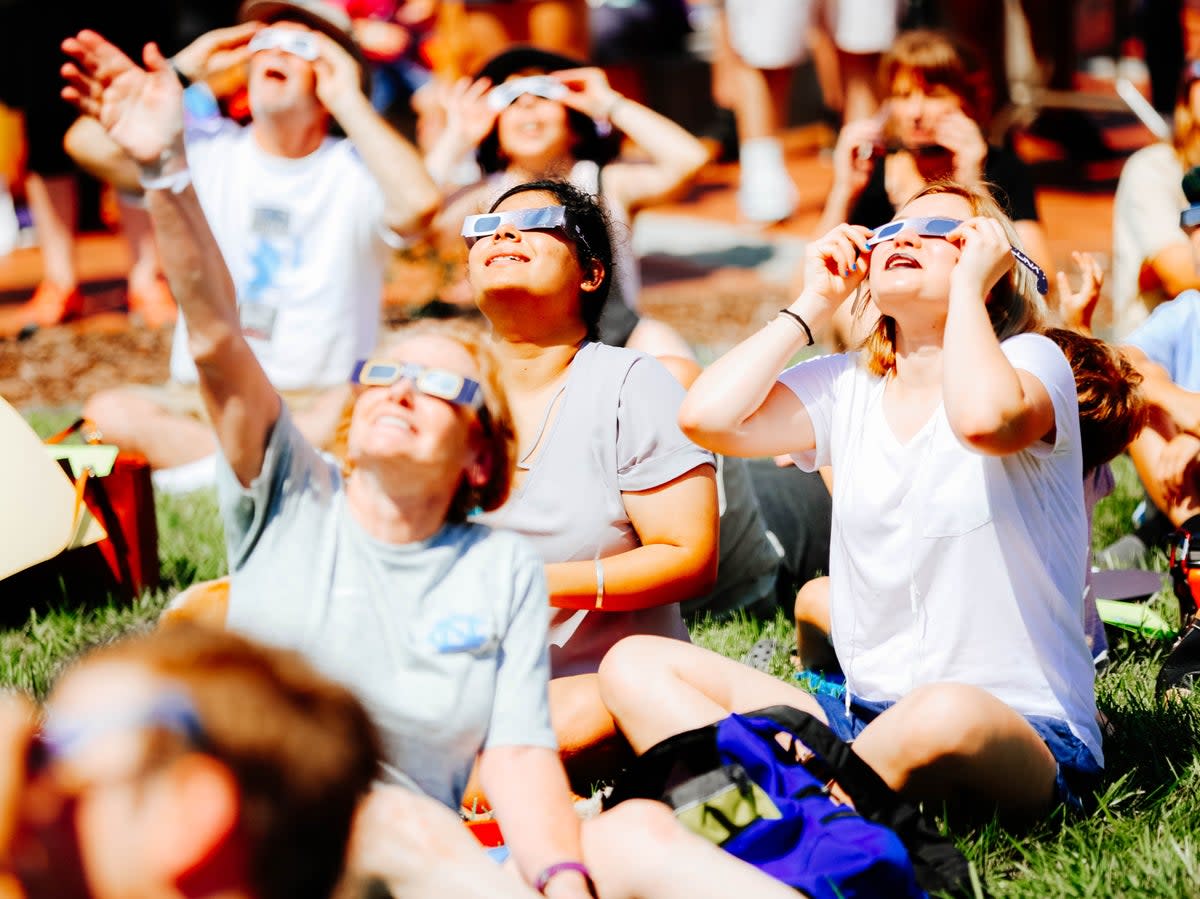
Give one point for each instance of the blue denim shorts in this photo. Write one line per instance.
(1077, 776)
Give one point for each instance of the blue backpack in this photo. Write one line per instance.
(767, 802)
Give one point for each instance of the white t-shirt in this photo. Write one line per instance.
(951, 566)
(1146, 209)
(305, 242)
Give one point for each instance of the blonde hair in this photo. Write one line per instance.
(1014, 305)
(1186, 133)
(495, 419)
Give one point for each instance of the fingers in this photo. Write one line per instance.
(153, 58)
(233, 36)
(842, 248)
(16, 729)
(1064, 287)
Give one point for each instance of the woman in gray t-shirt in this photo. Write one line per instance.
(619, 504)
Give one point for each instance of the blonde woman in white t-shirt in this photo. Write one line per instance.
(959, 537)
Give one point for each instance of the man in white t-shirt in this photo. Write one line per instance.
(305, 220)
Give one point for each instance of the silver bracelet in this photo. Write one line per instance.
(599, 584)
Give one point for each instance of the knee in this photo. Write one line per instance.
(648, 825)
(115, 413)
(945, 723)
(812, 602)
(628, 667)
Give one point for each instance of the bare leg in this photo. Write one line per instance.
(812, 626)
(54, 203)
(588, 741)
(137, 423)
(953, 741)
(148, 293)
(659, 339)
(666, 860)
(656, 687)
(858, 72)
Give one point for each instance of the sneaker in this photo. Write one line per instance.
(187, 477)
(766, 192)
(760, 654)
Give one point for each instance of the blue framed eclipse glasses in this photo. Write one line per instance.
(544, 218)
(936, 226)
(504, 95)
(437, 382)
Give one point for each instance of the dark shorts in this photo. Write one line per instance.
(1077, 776)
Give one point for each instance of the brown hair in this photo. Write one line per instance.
(1014, 305)
(301, 748)
(495, 420)
(1112, 408)
(1185, 136)
(936, 58)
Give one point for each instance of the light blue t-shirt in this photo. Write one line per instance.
(444, 640)
(1171, 337)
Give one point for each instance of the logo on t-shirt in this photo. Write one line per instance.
(462, 633)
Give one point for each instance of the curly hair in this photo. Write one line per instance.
(590, 230)
(1112, 408)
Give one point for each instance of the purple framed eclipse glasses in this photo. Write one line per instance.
(937, 226)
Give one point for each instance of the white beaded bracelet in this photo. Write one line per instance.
(175, 182)
(599, 584)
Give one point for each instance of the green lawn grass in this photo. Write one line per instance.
(1144, 841)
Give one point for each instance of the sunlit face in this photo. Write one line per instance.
(398, 423)
(88, 820)
(916, 108)
(511, 265)
(911, 267)
(534, 128)
(280, 81)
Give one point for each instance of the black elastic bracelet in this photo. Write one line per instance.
(801, 322)
(183, 79)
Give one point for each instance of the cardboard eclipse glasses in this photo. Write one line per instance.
(437, 382)
(940, 227)
(289, 40)
(543, 218)
(504, 95)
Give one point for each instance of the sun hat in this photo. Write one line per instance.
(317, 15)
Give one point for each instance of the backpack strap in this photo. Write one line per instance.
(938, 863)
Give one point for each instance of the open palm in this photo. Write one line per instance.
(141, 109)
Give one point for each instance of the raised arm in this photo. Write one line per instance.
(992, 407)
(737, 407)
(141, 110)
(1181, 405)
(410, 196)
(675, 155)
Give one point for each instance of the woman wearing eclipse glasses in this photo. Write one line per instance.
(437, 624)
(959, 538)
(533, 114)
(619, 504)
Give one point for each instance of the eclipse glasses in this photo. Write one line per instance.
(438, 382)
(504, 95)
(941, 228)
(544, 218)
(289, 40)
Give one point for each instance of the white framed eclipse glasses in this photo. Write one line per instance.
(438, 382)
(289, 40)
(504, 95)
(543, 218)
(936, 226)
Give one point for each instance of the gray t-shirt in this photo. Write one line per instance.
(615, 431)
(443, 639)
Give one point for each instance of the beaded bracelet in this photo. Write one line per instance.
(552, 871)
(599, 584)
